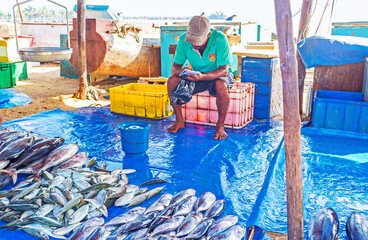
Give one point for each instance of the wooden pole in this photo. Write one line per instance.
(82, 59)
(20, 13)
(294, 180)
(305, 17)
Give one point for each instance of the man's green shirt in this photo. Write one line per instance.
(217, 53)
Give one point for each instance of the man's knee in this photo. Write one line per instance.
(221, 88)
(172, 81)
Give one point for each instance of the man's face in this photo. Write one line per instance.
(198, 47)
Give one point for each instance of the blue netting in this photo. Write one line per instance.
(10, 98)
(233, 169)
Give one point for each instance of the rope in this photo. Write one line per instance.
(320, 21)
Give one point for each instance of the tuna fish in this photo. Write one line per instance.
(215, 210)
(127, 216)
(236, 232)
(59, 155)
(37, 151)
(77, 160)
(182, 195)
(185, 206)
(221, 225)
(15, 148)
(357, 227)
(85, 230)
(204, 202)
(324, 225)
(188, 225)
(201, 229)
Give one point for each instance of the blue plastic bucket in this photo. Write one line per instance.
(134, 137)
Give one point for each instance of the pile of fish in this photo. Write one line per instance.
(183, 216)
(62, 190)
(59, 201)
(325, 225)
(29, 153)
(64, 198)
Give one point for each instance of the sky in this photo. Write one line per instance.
(260, 11)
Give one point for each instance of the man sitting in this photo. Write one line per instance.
(208, 52)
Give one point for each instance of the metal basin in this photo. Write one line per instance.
(45, 54)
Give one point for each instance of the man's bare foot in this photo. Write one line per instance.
(175, 127)
(220, 133)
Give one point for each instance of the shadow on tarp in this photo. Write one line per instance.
(10, 98)
(335, 166)
(233, 169)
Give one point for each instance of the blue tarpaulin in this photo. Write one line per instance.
(10, 98)
(334, 50)
(233, 169)
(247, 169)
(335, 164)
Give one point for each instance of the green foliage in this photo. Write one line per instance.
(43, 14)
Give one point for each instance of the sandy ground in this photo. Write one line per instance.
(49, 91)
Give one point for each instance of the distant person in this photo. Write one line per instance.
(208, 52)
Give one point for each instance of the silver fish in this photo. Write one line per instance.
(168, 226)
(221, 225)
(185, 206)
(182, 195)
(86, 229)
(236, 232)
(324, 223)
(215, 210)
(79, 215)
(127, 216)
(59, 155)
(204, 202)
(188, 225)
(357, 227)
(201, 229)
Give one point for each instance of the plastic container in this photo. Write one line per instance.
(134, 137)
(266, 74)
(7, 76)
(142, 100)
(202, 109)
(340, 110)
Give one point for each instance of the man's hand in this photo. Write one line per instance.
(196, 77)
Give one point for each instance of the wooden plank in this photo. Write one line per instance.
(293, 161)
(256, 53)
(82, 59)
(346, 77)
(305, 17)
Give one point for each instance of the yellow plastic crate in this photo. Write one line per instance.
(142, 100)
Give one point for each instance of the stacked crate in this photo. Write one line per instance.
(202, 109)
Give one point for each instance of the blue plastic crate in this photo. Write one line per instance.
(266, 74)
(340, 110)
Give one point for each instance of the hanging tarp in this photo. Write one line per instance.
(331, 51)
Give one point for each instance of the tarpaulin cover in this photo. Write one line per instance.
(233, 169)
(10, 98)
(335, 50)
(335, 166)
(247, 169)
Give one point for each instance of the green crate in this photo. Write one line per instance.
(7, 76)
(20, 70)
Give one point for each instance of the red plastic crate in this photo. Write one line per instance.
(202, 109)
